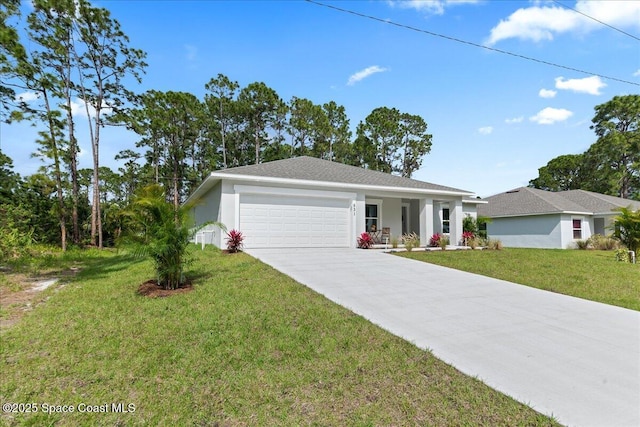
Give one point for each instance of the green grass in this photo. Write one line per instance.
(592, 275)
(248, 346)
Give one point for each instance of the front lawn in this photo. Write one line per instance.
(593, 275)
(247, 346)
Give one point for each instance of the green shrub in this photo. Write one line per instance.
(16, 237)
(622, 255)
(469, 224)
(582, 244)
(394, 241)
(627, 228)
(155, 229)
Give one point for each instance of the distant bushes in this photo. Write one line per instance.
(599, 242)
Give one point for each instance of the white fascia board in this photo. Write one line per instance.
(289, 181)
(286, 191)
(474, 201)
(541, 214)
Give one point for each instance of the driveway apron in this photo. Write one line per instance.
(574, 359)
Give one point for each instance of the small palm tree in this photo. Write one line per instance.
(627, 228)
(156, 229)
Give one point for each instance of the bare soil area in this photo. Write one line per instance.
(151, 289)
(20, 293)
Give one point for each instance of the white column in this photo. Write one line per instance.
(358, 215)
(455, 221)
(426, 220)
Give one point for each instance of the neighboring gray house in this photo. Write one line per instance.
(531, 218)
(309, 202)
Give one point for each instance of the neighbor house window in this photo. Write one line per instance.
(445, 220)
(577, 228)
(371, 217)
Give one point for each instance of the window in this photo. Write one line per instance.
(445, 220)
(371, 217)
(577, 229)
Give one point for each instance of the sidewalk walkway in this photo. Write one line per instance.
(574, 359)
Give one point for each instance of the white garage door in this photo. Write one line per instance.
(270, 221)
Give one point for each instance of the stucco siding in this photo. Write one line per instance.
(207, 209)
(568, 242)
(392, 215)
(541, 231)
(469, 209)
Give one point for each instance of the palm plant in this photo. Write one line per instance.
(156, 229)
(627, 228)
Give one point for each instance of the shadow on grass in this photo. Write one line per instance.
(101, 267)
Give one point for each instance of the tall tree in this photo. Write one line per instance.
(8, 179)
(381, 131)
(416, 143)
(305, 122)
(11, 52)
(336, 143)
(37, 75)
(260, 103)
(104, 61)
(219, 103)
(51, 27)
(616, 153)
(562, 173)
(169, 123)
(392, 142)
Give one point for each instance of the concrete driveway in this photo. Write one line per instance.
(576, 360)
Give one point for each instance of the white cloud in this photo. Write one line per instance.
(637, 73)
(550, 115)
(514, 120)
(27, 97)
(432, 7)
(590, 85)
(79, 108)
(537, 23)
(486, 130)
(547, 93)
(363, 74)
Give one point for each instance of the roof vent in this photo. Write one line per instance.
(512, 191)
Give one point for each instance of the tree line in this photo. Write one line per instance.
(78, 51)
(611, 165)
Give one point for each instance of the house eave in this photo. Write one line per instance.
(540, 214)
(338, 185)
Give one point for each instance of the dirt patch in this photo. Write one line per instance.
(151, 289)
(20, 293)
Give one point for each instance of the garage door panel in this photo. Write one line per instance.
(277, 221)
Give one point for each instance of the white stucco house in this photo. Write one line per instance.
(531, 218)
(309, 202)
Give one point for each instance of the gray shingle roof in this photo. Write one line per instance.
(530, 201)
(313, 169)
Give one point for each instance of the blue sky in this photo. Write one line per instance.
(495, 118)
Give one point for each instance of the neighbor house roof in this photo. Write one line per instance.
(310, 169)
(531, 201)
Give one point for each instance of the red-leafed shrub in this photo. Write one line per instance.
(434, 241)
(235, 241)
(365, 241)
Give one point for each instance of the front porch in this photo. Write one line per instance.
(389, 218)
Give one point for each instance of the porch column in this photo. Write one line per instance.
(426, 220)
(358, 215)
(455, 221)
